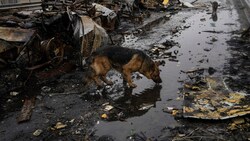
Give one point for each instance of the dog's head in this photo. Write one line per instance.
(151, 70)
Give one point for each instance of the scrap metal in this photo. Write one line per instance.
(89, 22)
(18, 39)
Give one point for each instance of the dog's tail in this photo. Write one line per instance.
(89, 60)
(86, 62)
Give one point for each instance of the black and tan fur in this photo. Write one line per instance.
(124, 60)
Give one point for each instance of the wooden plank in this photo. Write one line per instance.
(26, 111)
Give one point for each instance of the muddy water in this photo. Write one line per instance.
(202, 44)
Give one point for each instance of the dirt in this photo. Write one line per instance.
(190, 39)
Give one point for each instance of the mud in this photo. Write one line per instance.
(198, 41)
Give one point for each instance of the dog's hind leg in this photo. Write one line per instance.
(105, 67)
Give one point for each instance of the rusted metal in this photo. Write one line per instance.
(93, 36)
(15, 43)
(5, 46)
(24, 36)
(16, 34)
(54, 50)
(93, 20)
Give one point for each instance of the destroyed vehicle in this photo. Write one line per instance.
(17, 46)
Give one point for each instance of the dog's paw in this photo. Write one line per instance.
(109, 83)
(100, 85)
(132, 85)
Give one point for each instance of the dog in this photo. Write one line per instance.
(125, 61)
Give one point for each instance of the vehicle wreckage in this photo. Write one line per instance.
(42, 35)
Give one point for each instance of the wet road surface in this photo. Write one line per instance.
(201, 42)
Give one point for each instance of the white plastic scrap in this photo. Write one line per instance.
(187, 4)
(37, 132)
(105, 11)
(108, 108)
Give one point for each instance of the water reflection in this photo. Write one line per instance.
(131, 105)
(126, 103)
(214, 17)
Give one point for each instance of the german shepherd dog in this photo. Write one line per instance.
(125, 61)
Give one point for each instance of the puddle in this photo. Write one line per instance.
(202, 44)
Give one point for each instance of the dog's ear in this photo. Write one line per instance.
(158, 63)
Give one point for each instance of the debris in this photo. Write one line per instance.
(54, 50)
(26, 111)
(246, 33)
(60, 125)
(178, 98)
(211, 70)
(207, 49)
(46, 89)
(237, 123)
(203, 19)
(171, 110)
(214, 39)
(173, 60)
(165, 3)
(213, 31)
(187, 4)
(109, 17)
(146, 107)
(16, 34)
(214, 101)
(191, 87)
(93, 37)
(64, 68)
(14, 93)
(14, 43)
(104, 116)
(195, 70)
(175, 112)
(72, 120)
(239, 120)
(38, 132)
(108, 108)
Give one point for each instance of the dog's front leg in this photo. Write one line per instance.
(97, 81)
(106, 80)
(127, 77)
